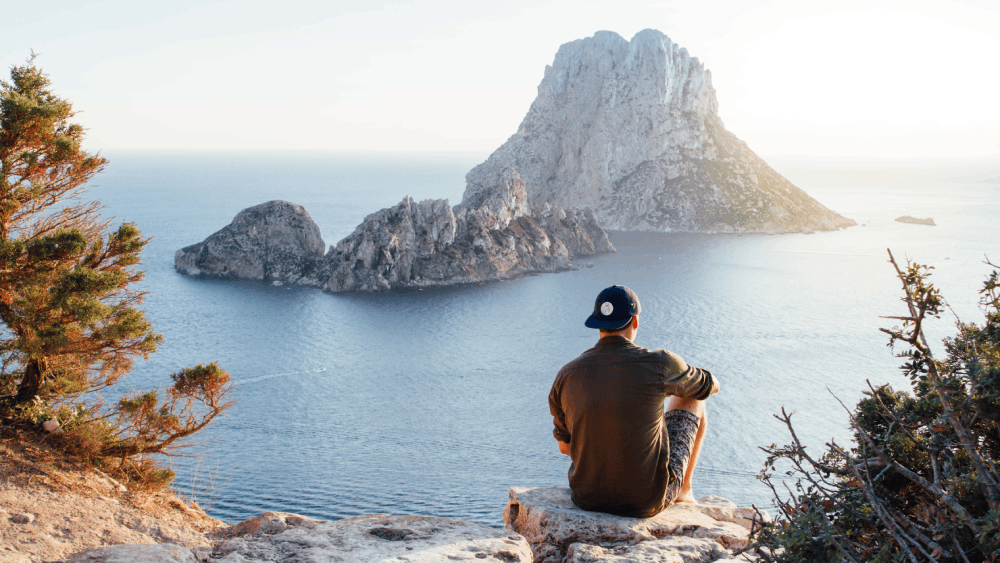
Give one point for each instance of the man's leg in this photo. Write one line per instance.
(696, 408)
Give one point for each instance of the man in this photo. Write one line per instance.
(629, 457)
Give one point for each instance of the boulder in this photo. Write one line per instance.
(727, 511)
(558, 530)
(23, 518)
(277, 240)
(51, 425)
(141, 553)
(631, 129)
(271, 523)
(370, 538)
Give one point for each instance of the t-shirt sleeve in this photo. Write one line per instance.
(687, 382)
(558, 416)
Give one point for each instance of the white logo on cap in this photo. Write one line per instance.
(607, 308)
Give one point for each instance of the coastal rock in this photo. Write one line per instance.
(551, 523)
(726, 510)
(493, 235)
(915, 221)
(671, 549)
(277, 240)
(162, 553)
(271, 523)
(377, 537)
(631, 130)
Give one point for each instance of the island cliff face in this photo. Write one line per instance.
(277, 240)
(494, 236)
(631, 129)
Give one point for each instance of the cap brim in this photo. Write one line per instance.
(610, 324)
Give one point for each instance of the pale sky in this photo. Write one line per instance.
(853, 78)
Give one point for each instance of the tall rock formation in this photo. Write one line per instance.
(631, 129)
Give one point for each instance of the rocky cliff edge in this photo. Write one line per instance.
(543, 526)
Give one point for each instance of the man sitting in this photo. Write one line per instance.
(629, 457)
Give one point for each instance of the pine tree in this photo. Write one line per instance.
(68, 297)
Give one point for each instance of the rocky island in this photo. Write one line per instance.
(624, 135)
(492, 235)
(631, 129)
(914, 221)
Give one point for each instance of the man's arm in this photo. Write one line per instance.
(560, 431)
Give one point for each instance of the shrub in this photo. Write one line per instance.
(920, 481)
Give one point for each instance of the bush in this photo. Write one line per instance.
(920, 482)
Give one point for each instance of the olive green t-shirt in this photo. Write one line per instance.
(608, 405)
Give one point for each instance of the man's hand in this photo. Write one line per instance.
(715, 386)
(563, 447)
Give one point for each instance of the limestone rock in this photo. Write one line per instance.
(51, 425)
(671, 549)
(726, 510)
(551, 523)
(493, 235)
(631, 130)
(915, 221)
(271, 523)
(277, 240)
(377, 537)
(155, 553)
(23, 518)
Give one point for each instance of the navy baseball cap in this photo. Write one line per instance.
(614, 308)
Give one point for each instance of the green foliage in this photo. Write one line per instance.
(920, 482)
(69, 307)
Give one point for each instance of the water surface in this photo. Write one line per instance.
(434, 402)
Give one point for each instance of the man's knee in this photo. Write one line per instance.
(693, 406)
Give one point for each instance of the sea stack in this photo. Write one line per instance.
(277, 240)
(631, 129)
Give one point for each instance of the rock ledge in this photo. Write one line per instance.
(558, 531)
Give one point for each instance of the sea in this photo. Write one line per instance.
(434, 402)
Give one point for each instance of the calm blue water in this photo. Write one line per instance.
(435, 402)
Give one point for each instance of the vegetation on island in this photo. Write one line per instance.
(920, 482)
(69, 303)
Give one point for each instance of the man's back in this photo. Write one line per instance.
(607, 404)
